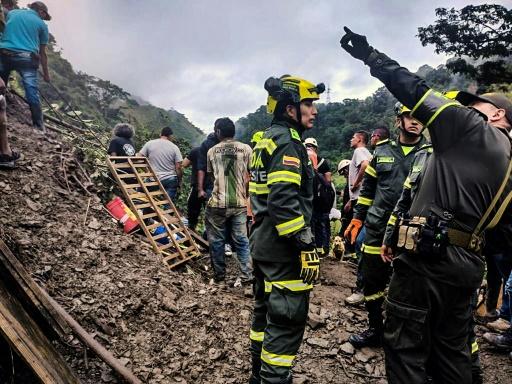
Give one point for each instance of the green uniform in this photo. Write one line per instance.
(281, 189)
(382, 185)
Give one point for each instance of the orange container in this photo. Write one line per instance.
(119, 211)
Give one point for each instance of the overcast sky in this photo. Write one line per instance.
(209, 59)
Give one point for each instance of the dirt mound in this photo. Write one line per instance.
(166, 326)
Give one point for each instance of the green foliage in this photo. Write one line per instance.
(478, 32)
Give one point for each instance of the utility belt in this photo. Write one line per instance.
(431, 235)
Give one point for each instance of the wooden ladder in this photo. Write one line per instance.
(153, 208)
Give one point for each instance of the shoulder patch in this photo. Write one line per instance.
(295, 134)
(291, 161)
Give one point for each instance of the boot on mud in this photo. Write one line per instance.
(369, 338)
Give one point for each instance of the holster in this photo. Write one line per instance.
(409, 233)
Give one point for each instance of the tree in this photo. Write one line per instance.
(476, 32)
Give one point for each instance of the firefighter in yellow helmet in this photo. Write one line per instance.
(282, 245)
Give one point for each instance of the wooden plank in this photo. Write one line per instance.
(31, 344)
(30, 293)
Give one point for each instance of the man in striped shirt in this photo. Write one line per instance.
(226, 211)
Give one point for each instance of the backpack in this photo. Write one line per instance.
(323, 193)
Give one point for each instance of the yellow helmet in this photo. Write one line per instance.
(257, 137)
(400, 109)
(290, 89)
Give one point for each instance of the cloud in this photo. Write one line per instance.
(209, 59)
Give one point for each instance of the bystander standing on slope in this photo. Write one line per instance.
(22, 49)
(165, 158)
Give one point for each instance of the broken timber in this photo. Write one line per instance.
(154, 209)
(24, 335)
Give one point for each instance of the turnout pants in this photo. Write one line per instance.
(426, 330)
(375, 277)
(280, 314)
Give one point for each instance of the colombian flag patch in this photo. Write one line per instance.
(291, 161)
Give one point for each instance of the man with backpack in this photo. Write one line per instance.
(323, 198)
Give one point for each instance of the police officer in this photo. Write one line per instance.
(282, 245)
(428, 305)
(410, 188)
(382, 185)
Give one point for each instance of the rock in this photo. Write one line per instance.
(363, 358)
(347, 348)
(368, 352)
(318, 342)
(299, 379)
(315, 321)
(214, 354)
(94, 224)
(33, 205)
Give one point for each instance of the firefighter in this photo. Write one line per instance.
(382, 185)
(428, 305)
(282, 245)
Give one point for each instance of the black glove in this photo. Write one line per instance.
(360, 49)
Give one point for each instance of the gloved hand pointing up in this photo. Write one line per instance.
(356, 45)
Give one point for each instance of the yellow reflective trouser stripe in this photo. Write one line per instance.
(439, 110)
(375, 296)
(364, 201)
(371, 171)
(258, 189)
(267, 144)
(274, 359)
(284, 176)
(290, 226)
(407, 183)
(256, 336)
(292, 285)
(392, 220)
(474, 347)
(370, 249)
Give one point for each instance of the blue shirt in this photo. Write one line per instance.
(24, 31)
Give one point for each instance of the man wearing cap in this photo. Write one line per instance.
(465, 189)
(322, 202)
(22, 48)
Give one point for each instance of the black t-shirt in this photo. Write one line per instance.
(193, 156)
(121, 146)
